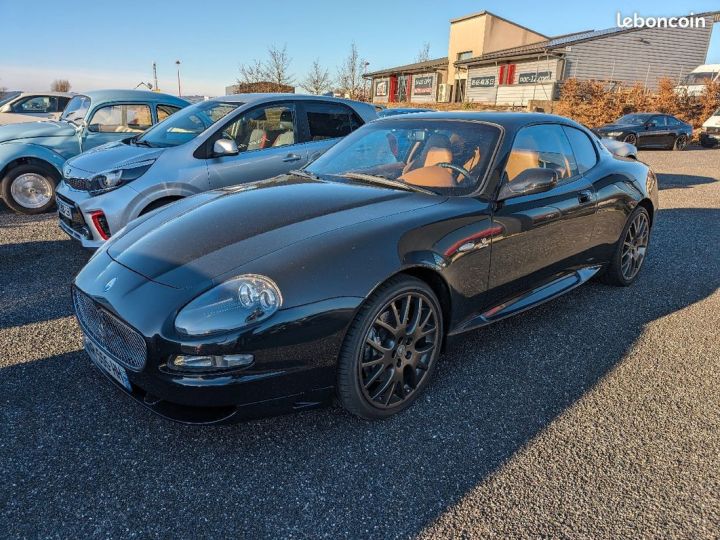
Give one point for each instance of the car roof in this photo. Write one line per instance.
(514, 120)
(271, 96)
(60, 94)
(99, 96)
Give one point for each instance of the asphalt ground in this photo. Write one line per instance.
(595, 415)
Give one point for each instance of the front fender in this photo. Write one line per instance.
(12, 151)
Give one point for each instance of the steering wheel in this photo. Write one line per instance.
(456, 168)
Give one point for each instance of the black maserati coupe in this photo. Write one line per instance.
(649, 130)
(345, 280)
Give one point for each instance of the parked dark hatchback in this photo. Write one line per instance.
(345, 279)
(649, 130)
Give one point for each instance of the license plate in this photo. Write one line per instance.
(107, 364)
(64, 208)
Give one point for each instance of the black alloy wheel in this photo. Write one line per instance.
(680, 143)
(631, 138)
(631, 250)
(391, 349)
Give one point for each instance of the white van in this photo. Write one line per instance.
(694, 83)
(710, 135)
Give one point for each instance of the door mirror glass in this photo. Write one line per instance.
(225, 147)
(528, 182)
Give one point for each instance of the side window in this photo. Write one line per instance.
(263, 127)
(583, 149)
(163, 111)
(658, 121)
(543, 146)
(330, 120)
(37, 104)
(134, 118)
(62, 103)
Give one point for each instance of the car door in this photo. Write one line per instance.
(324, 123)
(543, 234)
(267, 140)
(655, 133)
(115, 122)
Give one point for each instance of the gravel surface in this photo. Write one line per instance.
(596, 415)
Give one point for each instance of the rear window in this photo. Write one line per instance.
(330, 120)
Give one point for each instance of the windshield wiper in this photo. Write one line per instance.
(138, 142)
(373, 179)
(305, 174)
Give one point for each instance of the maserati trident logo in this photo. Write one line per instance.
(109, 284)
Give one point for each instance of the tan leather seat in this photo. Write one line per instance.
(520, 160)
(432, 176)
(285, 139)
(435, 150)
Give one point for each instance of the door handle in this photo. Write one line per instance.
(291, 157)
(585, 196)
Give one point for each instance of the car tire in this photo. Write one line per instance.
(707, 142)
(384, 349)
(630, 246)
(631, 138)
(29, 189)
(680, 143)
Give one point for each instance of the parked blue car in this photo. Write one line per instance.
(32, 154)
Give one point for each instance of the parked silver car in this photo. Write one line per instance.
(220, 142)
(29, 106)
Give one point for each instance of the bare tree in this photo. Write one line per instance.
(277, 67)
(424, 53)
(350, 75)
(318, 80)
(3, 91)
(251, 73)
(60, 85)
(275, 70)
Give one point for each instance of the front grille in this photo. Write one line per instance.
(120, 341)
(81, 184)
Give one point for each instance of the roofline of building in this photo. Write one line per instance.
(417, 67)
(485, 12)
(495, 56)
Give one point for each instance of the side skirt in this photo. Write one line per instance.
(530, 299)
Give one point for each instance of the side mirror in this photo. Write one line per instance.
(528, 182)
(225, 147)
(95, 128)
(649, 125)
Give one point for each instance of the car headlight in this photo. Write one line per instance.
(107, 180)
(236, 303)
(613, 133)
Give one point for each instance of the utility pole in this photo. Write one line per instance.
(155, 76)
(177, 63)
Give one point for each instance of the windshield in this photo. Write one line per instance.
(717, 113)
(185, 125)
(8, 98)
(76, 109)
(447, 157)
(634, 119)
(700, 77)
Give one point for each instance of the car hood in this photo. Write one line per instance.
(112, 155)
(30, 130)
(205, 236)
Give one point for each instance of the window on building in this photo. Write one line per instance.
(583, 149)
(542, 146)
(464, 55)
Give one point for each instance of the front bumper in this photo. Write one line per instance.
(295, 351)
(116, 206)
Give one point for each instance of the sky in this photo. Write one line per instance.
(98, 44)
